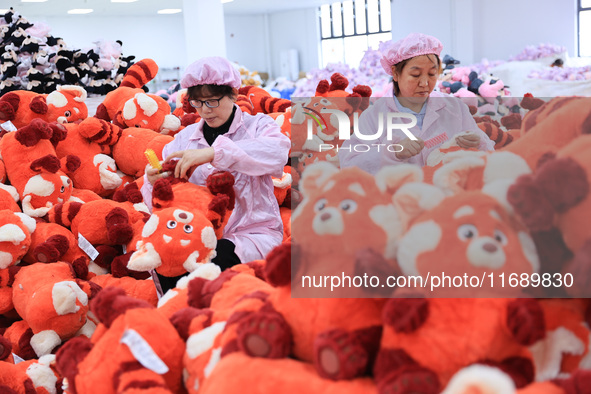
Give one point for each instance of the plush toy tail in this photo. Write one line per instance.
(140, 73)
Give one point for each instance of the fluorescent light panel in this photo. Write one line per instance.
(123, 1)
(170, 11)
(227, 1)
(80, 11)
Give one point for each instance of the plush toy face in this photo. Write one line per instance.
(66, 104)
(174, 241)
(468, 233)
(150, 112)
(15, 236)
(343, 212)
(45, 190)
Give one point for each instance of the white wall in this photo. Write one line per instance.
(247, 42)
(471, 30)
(160, 37)
(505, 27)
(296, 29)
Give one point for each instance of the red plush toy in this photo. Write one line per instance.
(34, 169)
(130, 106)
(181, 235)
(91, 140)
(15, 236)
(64, 105)
(134, 347)
(53, 302)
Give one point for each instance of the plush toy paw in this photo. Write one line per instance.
(525, 320)
(529, 203)
(52, 249)
(265, 335)
(120, 231)
(279, 263)
(406, 314)
(410, 379)
(339, 355)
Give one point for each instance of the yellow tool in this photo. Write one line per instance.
(153, 159)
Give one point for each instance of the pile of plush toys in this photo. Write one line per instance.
(79, 311)
(33, 59)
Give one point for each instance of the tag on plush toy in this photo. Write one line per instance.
(8, 126)
(87, 247)
(143, 352)
(17, 359)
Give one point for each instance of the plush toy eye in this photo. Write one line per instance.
(67, 114)
(171, 224)
(501, 237)
(467, 231)
(62, 189)
(320, 205)
(188, 228)
(348, 206)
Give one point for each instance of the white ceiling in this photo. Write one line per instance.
(149, 7)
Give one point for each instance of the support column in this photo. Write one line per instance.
(204, 29)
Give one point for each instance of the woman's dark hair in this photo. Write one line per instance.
(398, 67)
(198, 91)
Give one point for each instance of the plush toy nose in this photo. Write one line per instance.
(325, 216)
(489, 247)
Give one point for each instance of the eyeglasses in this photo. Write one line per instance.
(210, 103)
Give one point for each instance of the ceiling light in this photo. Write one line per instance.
(123, 1)
(227, 1)
(170, 11)
(80, 11)
(33, 1)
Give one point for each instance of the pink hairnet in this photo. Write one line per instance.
(213, 70)
(415, 44)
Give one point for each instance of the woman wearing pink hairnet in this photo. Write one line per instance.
(414, 65)
(251, 147)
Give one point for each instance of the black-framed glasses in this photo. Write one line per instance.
(210, 103)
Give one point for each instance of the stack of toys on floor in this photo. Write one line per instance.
(33, 59)
(79, 312)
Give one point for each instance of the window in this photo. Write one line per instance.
(351, 27)
(584, 24)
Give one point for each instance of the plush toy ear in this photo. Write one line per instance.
(316, 175)
(77, 92)
(27, 221)
(412, 199)
(391, 178)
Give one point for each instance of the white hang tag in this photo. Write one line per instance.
(17, 359)
(8, 126)
(143, 352)
(87, 247)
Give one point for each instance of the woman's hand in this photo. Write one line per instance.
(189, 160)
(154, 174)
(468, 140)
(410, 148)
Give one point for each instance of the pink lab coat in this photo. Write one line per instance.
(447, 115)
(253, 150)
